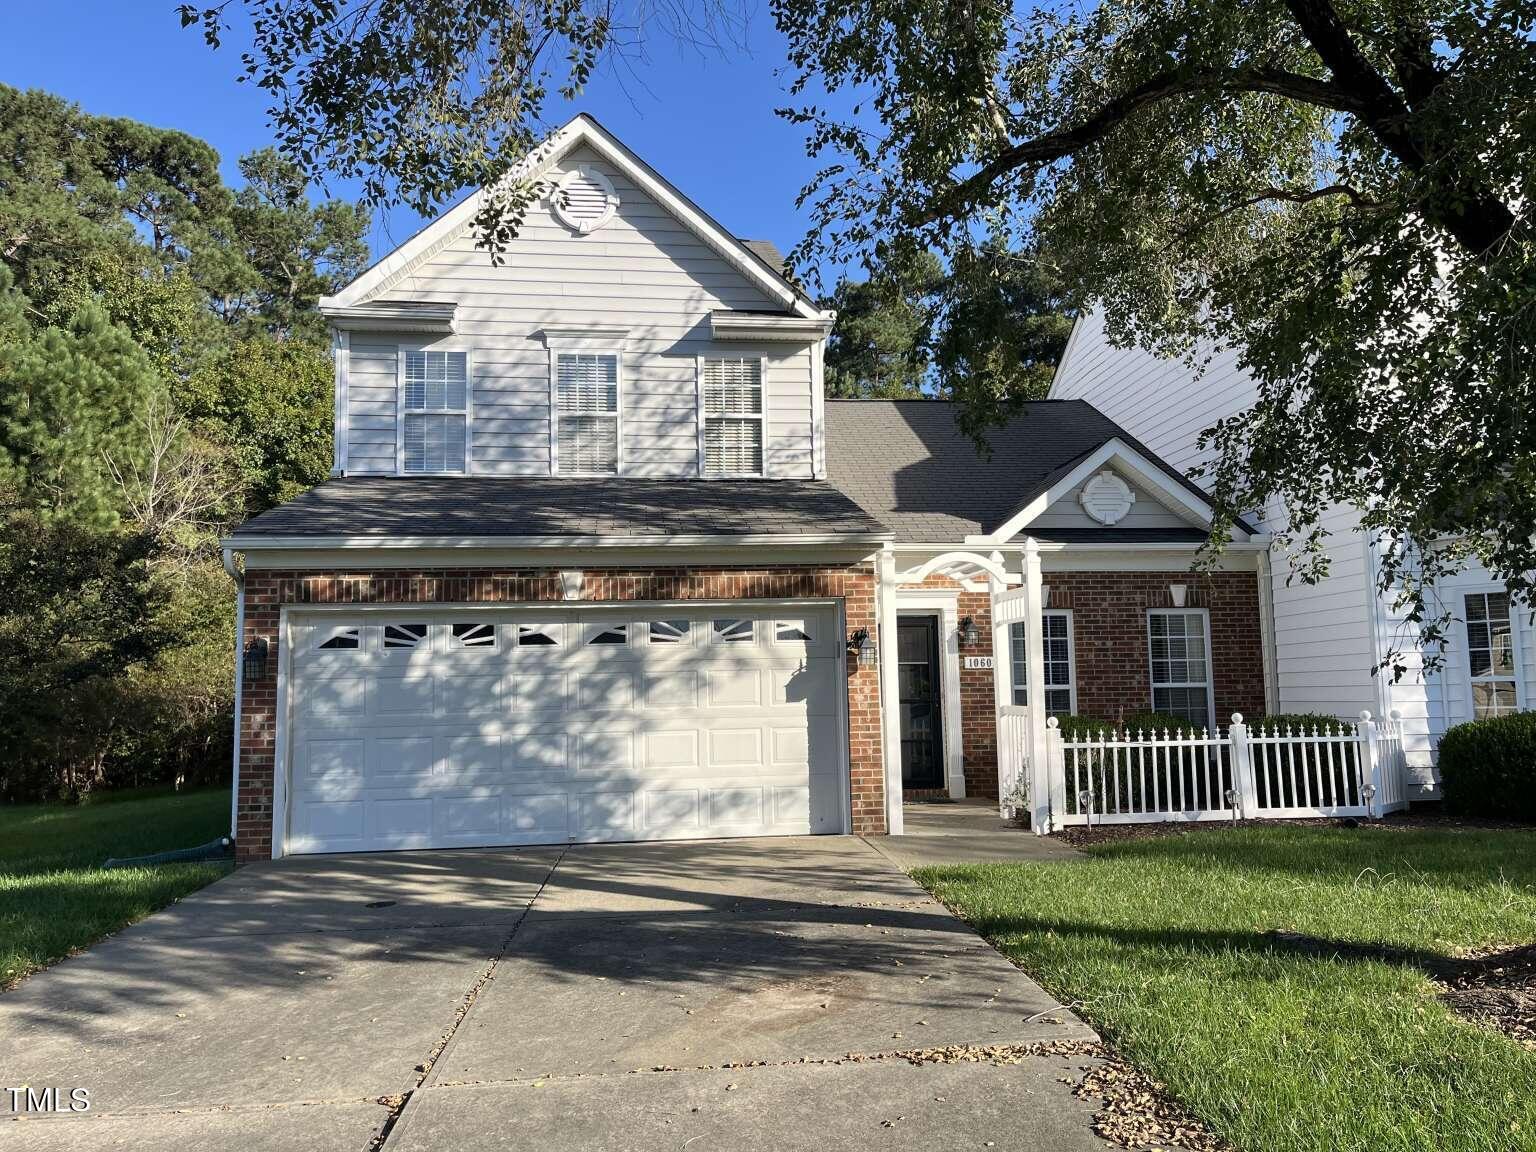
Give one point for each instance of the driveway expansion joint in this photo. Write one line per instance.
(397, 1104)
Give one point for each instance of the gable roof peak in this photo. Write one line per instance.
(582, 128)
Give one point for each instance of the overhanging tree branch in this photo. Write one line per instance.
(1055, 146)
(1285, 195)
(1473, 215)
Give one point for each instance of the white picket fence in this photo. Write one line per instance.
(1117, 777)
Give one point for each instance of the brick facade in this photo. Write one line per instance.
(267, 592)
(1111, 661)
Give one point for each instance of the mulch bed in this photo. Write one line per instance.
(1428, 818)
(1496, 990)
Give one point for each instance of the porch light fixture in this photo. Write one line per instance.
(861, 646)
(970, 635)
(254, 660)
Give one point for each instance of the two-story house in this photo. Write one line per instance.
(1330, 639)
(598, 560)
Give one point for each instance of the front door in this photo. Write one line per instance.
(922, 737)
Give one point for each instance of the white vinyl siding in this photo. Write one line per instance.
(643, 271)
(731, 411)
(587, 413)
(1329, 635)
(434, 410)
(1060, 684)
(1179, 643)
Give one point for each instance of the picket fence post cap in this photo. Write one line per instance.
(1052, 722)
(1365, 716)
(1237, 717)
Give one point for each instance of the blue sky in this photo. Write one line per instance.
(705, 122)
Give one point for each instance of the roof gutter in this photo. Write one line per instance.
(1259, 542)
(472, 543)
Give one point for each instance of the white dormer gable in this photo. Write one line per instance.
(1114, 489)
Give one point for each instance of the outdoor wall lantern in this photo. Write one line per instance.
(970, 635)
(255, 659)
(861, 646)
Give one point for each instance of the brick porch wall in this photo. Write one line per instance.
(1109, 636)
(267, 592)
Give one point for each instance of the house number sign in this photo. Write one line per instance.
(977, 662)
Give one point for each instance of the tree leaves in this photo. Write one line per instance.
(1343, 194)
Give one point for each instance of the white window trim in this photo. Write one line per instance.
(1209, 683)
(341, 352)
(1071, 684)
(589, 342)
(1515, 654)
(761, 417)
(401, 410)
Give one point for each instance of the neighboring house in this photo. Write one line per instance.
(598, 560)
(1329, 638)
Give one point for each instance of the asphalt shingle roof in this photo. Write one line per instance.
(439, 506)
(906, 463)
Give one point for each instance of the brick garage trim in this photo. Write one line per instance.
(268, 592)
(1109, 648)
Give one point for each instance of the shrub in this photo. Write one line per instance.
(1081, 727)
(1299, 722)
(1488, 767)
(1146, 720)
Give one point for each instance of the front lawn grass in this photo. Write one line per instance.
(55, 897)
(1279, 1042)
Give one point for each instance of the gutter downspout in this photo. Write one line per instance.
(234, 788)
(1267, 645)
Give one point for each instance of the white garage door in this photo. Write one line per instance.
(474, 727)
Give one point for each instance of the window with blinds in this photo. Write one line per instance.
(434, 410)
(732, 394)
(586, 412)
(1179, 644)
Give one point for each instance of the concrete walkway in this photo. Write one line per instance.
(708, 995)
(964, 832)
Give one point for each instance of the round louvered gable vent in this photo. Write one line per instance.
(585, 200)
(1107, 498)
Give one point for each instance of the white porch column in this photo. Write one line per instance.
(1002, 685)
(890, 709)
(1034, 679)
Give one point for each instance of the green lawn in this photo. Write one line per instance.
(1164, 945)
(54, 895)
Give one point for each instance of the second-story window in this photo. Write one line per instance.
(434, 408)
(731, 416)
(586, 412)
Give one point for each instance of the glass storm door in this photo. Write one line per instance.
(922, 738)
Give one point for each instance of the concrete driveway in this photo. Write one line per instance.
(706, 995)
